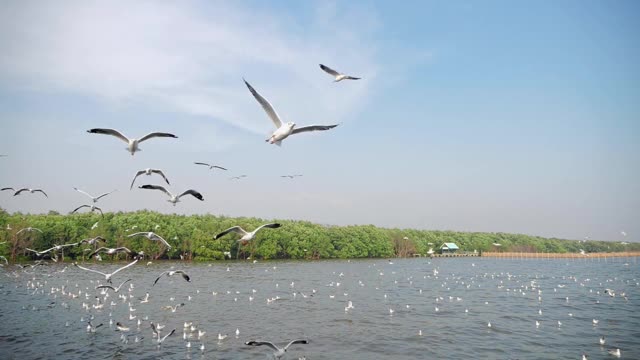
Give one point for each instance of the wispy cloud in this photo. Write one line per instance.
(188, 57)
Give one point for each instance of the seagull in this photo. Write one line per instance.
(211, 167)
(91, 328)
(8, 188)
(132, 144)
(92, 241)
(93, 198)
(149, 171)
(246, 236)
(290, 176)
(602, 340)
(4, 259)
(92, 208)
(337, 75)
(29, 229)
(238, 177)
(107, 276)
(279, 352)
(157, 332)
(173, 308)
(121, 327)
(174, 199)
(54, 248)
(153, 237)
(171, 273)
(30, 190)
(116, 289)
(283, 130)
(111, 251)
(615, 352)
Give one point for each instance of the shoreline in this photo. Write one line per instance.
(559, 255)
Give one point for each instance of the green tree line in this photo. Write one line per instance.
(191, 237)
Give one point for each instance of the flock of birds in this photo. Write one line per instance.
(282, 131)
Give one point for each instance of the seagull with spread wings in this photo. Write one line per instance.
(278, 352)
(132, 144)
(290, 176)
(337, 76)
(174, 199)
(29, 229)
(93, 198)
(286, 129)
(107, 276)
(157, 332)
(171, 273)
(246, 236)
(92, 208)
(115, 289)
(211, 167)
(153, 237)
(112, 251)
(148, 172)
(30, 191)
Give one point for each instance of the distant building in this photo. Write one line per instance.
(448, 248)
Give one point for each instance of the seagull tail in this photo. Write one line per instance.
(279, 143)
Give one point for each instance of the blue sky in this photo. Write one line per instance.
(472, 116)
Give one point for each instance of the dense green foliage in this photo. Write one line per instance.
(192, 237)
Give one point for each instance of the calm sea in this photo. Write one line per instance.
(401, 309)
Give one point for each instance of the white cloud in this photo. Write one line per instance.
(189, 57)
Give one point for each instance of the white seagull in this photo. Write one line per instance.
(157, 332)
(283, 130)
(115, 289)
(93, 198)
(92, 241)
(171, 273)
(337, 75)
(92, 208)
(29, 229)
(174, 199)
(211, 167)
(238, 177)
(111, 251)
(153, 237)
(107, 276)
(148, 172)
(279, 352)
(31, 191)
(246, 236)
(132, 144)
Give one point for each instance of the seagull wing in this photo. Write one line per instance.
(270, 226)
(155, 187)
(135, 177)
(87, 269)
(42, 191)
(159, 238)
(8, 188)
(159, 276)
(159, 172)
(195, 194)
(19, 191)
(156, 134)
(297, 341)
(105, 287)
(201, 163)
(184, 275)
(329, 70)
(219, 167)
(82, 192)
(260, 343)
(98, 251)
(111, 132)
(166, 336)
(352, 78)
(105, 194)
(265, 106)
(124, 267)
(124, 282)
(312, 128)
(155, 331)
(36, 230)
(138, 234)
(236, 229)
(80, 207)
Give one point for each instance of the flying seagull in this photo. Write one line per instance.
(337, 75)
(111, 251)
(279, 352)
(174, 199)
(92, 241)
(91, 328)
(290, 176)
(283, 130)
(93, 198)
(153, 237)
(238, 177)
(54, 248)
(149, 171)
(157, 332)
(132, 144)
(92, 208)
(30, 190)
(173, 308)
(115, 289)
(171, 273)
(211, 167)
(29, 229)
(246, 236)
(107, 276)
